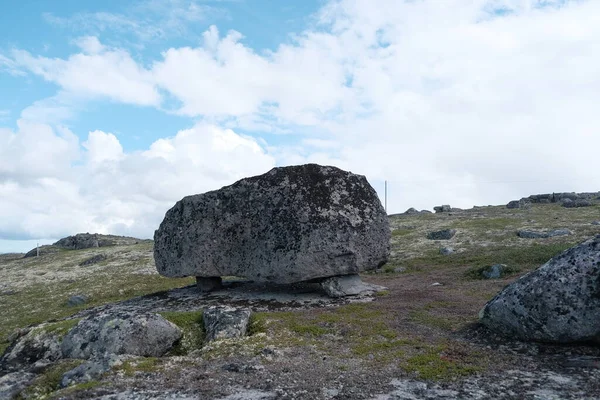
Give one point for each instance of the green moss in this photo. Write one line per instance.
(60, 328)
(49, 381)
(432, 320)
(477, 272)
(143, 365)
(382, 293)
(192, 327)
(257, 323)
(80, 387)
(434, 365)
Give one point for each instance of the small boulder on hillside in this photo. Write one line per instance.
(289, 225)
(522, 204)
(445, 234)
(558, 302)
(141, 334)
(443, 208)
(411, 211)
(224, 322)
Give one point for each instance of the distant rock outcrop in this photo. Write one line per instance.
(289, 225)
(443, 208)
(83, 241)
(557, 302)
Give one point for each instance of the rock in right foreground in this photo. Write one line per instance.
(558, 302)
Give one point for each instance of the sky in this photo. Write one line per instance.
(112, 111)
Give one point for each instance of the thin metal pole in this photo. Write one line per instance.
(37, 248)
(386, 196)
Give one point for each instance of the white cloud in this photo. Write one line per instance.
(146, 21)
(99, 72)
(475, 102)
(52, 186)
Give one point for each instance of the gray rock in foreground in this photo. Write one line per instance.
(145, 334)
(557, 302)
(37, 346)
(289, 225)
(13, 383)
(348, 285)
(223, 322)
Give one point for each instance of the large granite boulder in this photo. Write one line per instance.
(291, 224)
(558, 302)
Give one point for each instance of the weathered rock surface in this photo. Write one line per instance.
(289, 225)
(13, 383)
(90, 370)
(445, 234)
(223, 322)
(77, 300)
(446, 251)
(558, 302)
(523, 204)
(142, 334)
(493, 271)
(577, 203)
(37, 346)
(348, 285)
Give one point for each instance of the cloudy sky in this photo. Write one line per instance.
(112, 111)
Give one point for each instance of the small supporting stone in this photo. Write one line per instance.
(348, 285)
(205, 284)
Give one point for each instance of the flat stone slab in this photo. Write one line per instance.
(349, 285)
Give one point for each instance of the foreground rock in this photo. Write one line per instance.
(13, 383)
(38, 347)
(349, 285)
(222, 322)
(289, 225)
(558, 302)
(142, 334)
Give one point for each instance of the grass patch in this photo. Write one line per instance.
(500, 223)
(519, 258)
(257, 323)
(433, 364)
(401, 232)
(49, 381)
(477, 272)
(426, 318)
(192, 327)
(143, 365)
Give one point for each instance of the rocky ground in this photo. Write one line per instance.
(419, 339)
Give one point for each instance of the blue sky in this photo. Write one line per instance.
(112, 111)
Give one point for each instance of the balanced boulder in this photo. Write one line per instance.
(558, 302)
(289, 225)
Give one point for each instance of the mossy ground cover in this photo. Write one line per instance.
(412, 329)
